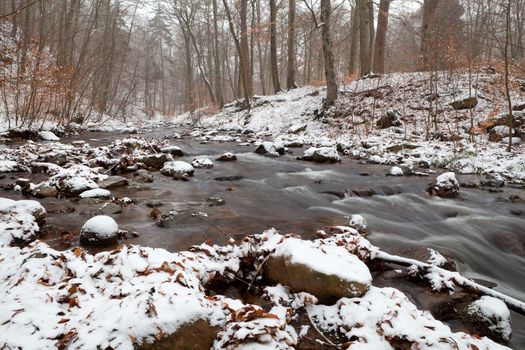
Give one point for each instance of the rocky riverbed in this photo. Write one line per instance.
(174, 189)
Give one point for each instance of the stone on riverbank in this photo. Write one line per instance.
(99, 230)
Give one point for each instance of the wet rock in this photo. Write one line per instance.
(446, 186)
(113, 182)
(496, 182)
(215, 201)
(96, 193)
(321, 155)
(358, 223)
(198, 335)
(270, 149)
(177, 168)
(307, 268)
(227, 157)
(389, 119)
(175, 151)
(229, 178)
(99, 230)
(464, 102)
(142, 175)
(204, 163)
(362, 192)
(58, 158)
(514, 198)
(173, 218)
(469, 184)
(154, 204)
(44, 191)
(395, 171)
(156, 161)
(110, 208)
(491, 316)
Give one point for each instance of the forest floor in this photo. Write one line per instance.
(339, 290)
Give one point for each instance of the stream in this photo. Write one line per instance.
(481, 230)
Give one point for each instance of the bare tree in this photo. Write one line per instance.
(328, 55)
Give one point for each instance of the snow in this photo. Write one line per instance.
(385, 314)
(359, 223)
(48, 136)
(8, 166)
(95, 193)
(447, 180)
(19, 220)
(329, 260)
(494, 312)
(202, 163)
(102, 225)
(177, 167)
(395, 171)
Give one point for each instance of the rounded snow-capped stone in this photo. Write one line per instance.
(446, 186)
(95, 193)
(99, 230)
(358, 223)
(321, 155)
(395, 171)
(202, 163)
(492, 316)
(177, 168)
(48, 136)
(227, 157)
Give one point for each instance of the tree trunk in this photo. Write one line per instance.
(217, 59)
(290, 79)
(365, 36)
(273, 47)
(429, 14)
(382, 27)
(245, 48)
(331, 83)
(353, 64)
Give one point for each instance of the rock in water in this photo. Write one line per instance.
(270, 149)
(395, 171)
(227, 157)
(358, 223)
(156, 161)
(202, 163)
(177, 168)
(99, 230)
(175, 151)
(95, 193)
(321, 155)
(142, 175)
(48, 136)
(327, 272)
(492, 316)
(446, 186)
(113, 182)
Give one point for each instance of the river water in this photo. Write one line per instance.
(479, 231)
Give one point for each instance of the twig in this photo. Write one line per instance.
(230, 238)
(327, 341)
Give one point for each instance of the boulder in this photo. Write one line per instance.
(202, 163)
(110, 208)
(389, 119)
(99, 230)
(142, 175)
(175, 151)
(113, 182)
(321, 155)
(491, 316)
(58, 158)
(198, 335)
(227, 157)
(47, 136)
(464, 102)
(358, 223)
(156, 161)
(270, 149)
(395, 171)
(177, 168)
(327, 272)
(498, 133)
(446, 186)
(295, 129)
(44, 190)
(9, 166)
(96, 193)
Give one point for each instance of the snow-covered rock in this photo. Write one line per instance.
(96, 193)
(358, 223)
(395, 171)
(20, 220)
(493, 314)
(227, 157)
(177, 168)
(175, 151)
(99, 230)
(48, 136)
(271, 149)
(9, 166)
(156, 161)
(327, 272)
(321, 155)
(202, 163)
(446, 186)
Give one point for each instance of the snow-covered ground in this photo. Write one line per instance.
(354, 123)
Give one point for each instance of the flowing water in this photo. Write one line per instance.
(479, 230)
